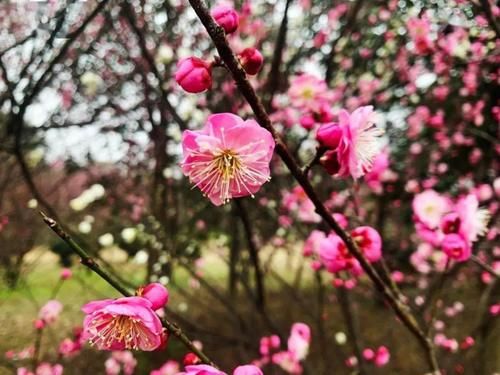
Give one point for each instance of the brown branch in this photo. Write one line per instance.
(274, 73)
(485, 266)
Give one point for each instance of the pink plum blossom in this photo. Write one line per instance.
(308, 92)
(312, 244)
(228, 158)
(286, 361)
(369, 242)
(124, 323)
(296, 201)
(42, 369)
(429, 206)
(50, 311)
(247, 370)
(335, 256)
(169, 368)
(358, 144)
(473, 220)
(419, 29)
(298, 342)
(201, 370)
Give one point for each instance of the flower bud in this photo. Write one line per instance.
(329, 135)
(66, 273)
(39, 324)
(226, 17)
(194, 75)
(368, 354)
(456, 247)
(156, 293)
(251, 60)
(191, 359)
(331, 162)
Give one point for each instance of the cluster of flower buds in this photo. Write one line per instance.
(194, 75)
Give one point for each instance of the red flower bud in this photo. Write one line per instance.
(331, 162)
(329, 135)
(194, 75)
(251, 60)
(156, 293)
(226, 17)
(191, 359)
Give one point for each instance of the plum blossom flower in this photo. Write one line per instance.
(50, 311)
(201, 370)
(352, 144)
(286, 361)
(369, 241)
(42, 369)
(312, 243)
(334, 255)
(69, 347)
(308, 92)
(298, 348)
(429, 207)
(228, 158)
(419, 30)
(297, 202)
(379, 173)
(473, 220)
(120, 360)
(298, 342)
(247, 370)
(124, 323)
(169, 368)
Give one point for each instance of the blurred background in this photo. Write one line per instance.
(90, 128)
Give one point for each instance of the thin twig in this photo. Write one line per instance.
(485, 266)
(89, 262)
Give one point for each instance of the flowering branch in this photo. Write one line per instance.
(217, 34)
(89, 262)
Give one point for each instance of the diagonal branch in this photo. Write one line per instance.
(89, 262)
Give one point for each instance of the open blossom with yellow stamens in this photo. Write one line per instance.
(124, 323)
(228, 158)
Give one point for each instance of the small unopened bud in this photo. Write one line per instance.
(226, 17)
(191, 359)
(194, 75)
(251, 60)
